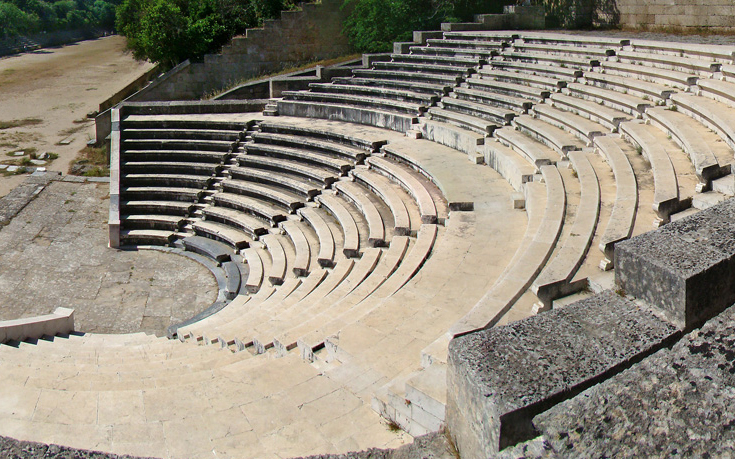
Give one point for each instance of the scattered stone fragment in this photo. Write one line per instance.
(19, 153)
(37, 162)
(13, 168)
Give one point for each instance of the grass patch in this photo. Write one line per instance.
(97, 172)
(72, 130)
(92, 162)
(20, 123)
(393, 426)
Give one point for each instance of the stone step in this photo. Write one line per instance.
(666, 186)
(633, 106)
(549, 135)
(724, 185)
(680, 80)
(560, 60)
(601, 53)
(658, 93)
(430, 89)
(701, 67)
(577, 125)
(545, 206)
(527, 79)
(359, 197)
(608, 117)
(622, 218)
(555, 280)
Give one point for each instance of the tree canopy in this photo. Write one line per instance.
(23, 17)
(170, 31)
(374, 25)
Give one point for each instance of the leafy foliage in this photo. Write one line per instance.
(374, 25)
(21, 17)
(170, 31)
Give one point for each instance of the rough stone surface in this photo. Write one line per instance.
(14, 449)
(676, 403)
(55, 253)
(686, 268)
(498, 379)
(21, 195)
(537, 448)
(430, 446)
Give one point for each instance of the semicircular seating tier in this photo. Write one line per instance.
(363, 250)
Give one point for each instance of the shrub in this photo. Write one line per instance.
(171, 31)
(373, 25)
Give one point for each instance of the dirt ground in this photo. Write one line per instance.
(59, 86)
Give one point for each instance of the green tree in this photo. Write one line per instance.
(16, 21)
(374, 25)
(170, 31)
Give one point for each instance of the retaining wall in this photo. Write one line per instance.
(695, 15)
(312, 33)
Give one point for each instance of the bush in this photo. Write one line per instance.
(374, 25)
(16, 21)
(23, 17)
(171, 31)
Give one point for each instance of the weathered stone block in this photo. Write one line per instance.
(677, 402)
(686, 268)
(499, 379)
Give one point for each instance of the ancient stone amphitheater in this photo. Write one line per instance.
(472, 180)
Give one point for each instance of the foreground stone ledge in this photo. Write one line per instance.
(10, 448)
(58, 322)
(686, 268)
(677, 402)
(499, 379)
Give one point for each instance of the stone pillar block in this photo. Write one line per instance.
(686, 269)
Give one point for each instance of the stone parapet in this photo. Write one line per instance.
(499, 379)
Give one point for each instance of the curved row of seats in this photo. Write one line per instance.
(586, 86)
(357, 254)
(316, 221)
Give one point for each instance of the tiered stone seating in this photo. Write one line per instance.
(666, 197)
(362, 248)
(166, 166)
(535, 153)
(554, 281)
(551, 136)
(634, 106)
(384, 95)
(318, 221)
(694, 140)
(620, 224)
(713, 114)
(606, 116)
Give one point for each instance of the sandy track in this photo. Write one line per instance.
(59, 86)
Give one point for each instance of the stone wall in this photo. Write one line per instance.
(312, 33)
(717, 14)
(695, 15)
